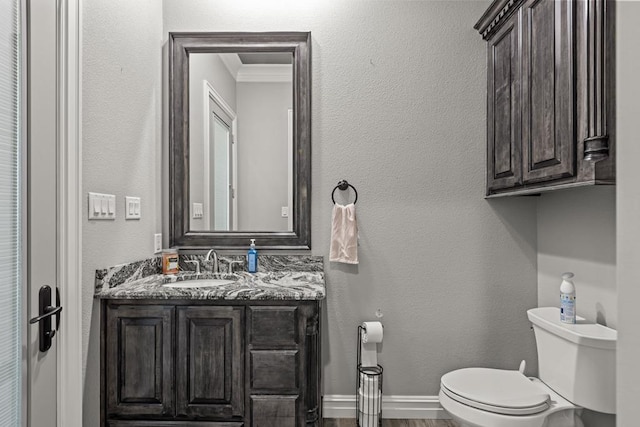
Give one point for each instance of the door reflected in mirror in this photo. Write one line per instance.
(241, 141)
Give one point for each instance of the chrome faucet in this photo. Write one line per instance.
(216, 265)
(196, 263)
(230, 265)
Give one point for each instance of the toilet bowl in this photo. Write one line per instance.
(483, 397)
(504, 400)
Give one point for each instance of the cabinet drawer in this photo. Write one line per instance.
(274, 370)
(273, 326)
(275, 411)
(120, 423)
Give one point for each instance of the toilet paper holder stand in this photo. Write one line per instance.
(368, 391)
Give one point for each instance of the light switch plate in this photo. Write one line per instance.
(102, 206)
(198, 210)
(157, 243)
(285, 212)
(131, 207)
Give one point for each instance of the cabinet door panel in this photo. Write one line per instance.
(274, 370)
(275, 411)
(504, 157)
(548, 90)
(139, 366)
(210, 358)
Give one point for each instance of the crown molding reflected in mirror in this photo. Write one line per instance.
(181, 46)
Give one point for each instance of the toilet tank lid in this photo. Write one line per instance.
(582, 333)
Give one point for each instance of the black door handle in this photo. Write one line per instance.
(46, 311)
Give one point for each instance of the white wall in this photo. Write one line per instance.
(577, 233)
(121, 154)
(628, 211)
(399, 111)
(262, 154)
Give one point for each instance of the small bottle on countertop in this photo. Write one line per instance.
(567, 299)
(252, 258)
(170, 261)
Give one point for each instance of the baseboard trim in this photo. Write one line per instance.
(397, 407)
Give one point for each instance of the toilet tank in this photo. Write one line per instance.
(577, 361)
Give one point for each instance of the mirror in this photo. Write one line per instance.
(240, 140)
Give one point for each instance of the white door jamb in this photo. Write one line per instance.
(70, 395)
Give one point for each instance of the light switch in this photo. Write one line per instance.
(157, 243)
(197, 210)
(132, 207)
(285, 212)
(102, 206)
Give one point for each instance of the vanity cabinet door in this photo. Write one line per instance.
(139, 362)
(548, 90)
(504, 121)
(210, 362)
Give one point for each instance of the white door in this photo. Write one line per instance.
(11, 273)
(222, 189)
(42, 195)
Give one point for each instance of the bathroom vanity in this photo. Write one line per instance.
(242, 352)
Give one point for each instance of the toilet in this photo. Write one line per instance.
(576, 365)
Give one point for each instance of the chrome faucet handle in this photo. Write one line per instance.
(197, 264)
(230, 265)
(216, 265)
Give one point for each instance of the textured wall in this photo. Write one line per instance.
(577, 232)
(628, 211)
(121, 128)
(399, 110)
(262, 155)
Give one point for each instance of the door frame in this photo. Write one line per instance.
(70, 376)
(209, 92)
(69, 226)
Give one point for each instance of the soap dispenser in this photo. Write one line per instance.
(567, 299)
(252, 258)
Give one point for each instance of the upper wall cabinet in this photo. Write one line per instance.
(550, 94)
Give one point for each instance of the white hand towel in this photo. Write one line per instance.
(344, 234)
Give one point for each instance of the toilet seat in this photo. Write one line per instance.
(495, 390)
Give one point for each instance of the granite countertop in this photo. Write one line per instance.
(300, 279)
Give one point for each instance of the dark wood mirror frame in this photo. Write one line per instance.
(180, 46)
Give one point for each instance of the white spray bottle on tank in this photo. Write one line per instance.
(567, 299)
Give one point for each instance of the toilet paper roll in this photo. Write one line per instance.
(371, 336)
(372, 332)
(369, 420)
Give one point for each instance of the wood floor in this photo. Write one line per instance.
(351, 422)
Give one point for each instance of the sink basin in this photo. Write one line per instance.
(200, 283)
